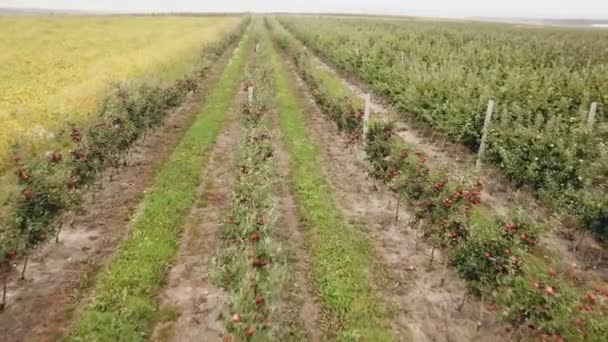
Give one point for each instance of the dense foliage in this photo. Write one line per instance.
(543, 82)
(495, 255)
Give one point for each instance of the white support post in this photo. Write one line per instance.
(357, 52)
(250, 95)
(484, 136)
(402, 57)
(366, 110)
(257, 47)
(591, 117)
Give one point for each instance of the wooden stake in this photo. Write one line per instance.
(402, 57)
(59, 230)
(479, 323)
(357, 52)
(366, 110)
(250, 95)
(432, 256)
(417, 239)
(484, 136)
(257, 47)
(591, 117)
(24, 267)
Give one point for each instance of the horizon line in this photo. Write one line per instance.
(413, 14)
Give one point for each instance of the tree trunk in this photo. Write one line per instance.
(59, 230)
(463, 301)
(445, 267)
(397, 208)
(417, 233)
(4, 284)
(580, 241)
(24, 267)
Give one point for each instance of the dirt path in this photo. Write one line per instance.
(300, 303)
(40, 307)
(190, 293)
(423, 310)
(498, 193)
(191, 302)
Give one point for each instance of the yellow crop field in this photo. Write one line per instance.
(55, 69)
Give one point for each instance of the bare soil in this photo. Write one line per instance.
(300, 303)
(192, 305)
(59, 275)
(422, 309)
(190, 293)
(499, 194)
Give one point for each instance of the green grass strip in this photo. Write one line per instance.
(340, 254)
(333, 85)
(125, 298)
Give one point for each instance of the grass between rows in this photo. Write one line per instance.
(340, 254)
(125, 298)
(335, 86)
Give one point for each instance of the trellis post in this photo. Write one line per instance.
(250, 95)
(591, 117)
(366, 110)
(484, 136)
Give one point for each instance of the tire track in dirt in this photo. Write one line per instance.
(190, 292)
(299, 302)
(41, 307)
(423, 310)
(498, 194)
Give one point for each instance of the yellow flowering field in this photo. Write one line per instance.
(56, 69)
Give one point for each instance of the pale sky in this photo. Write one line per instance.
(592, 9)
